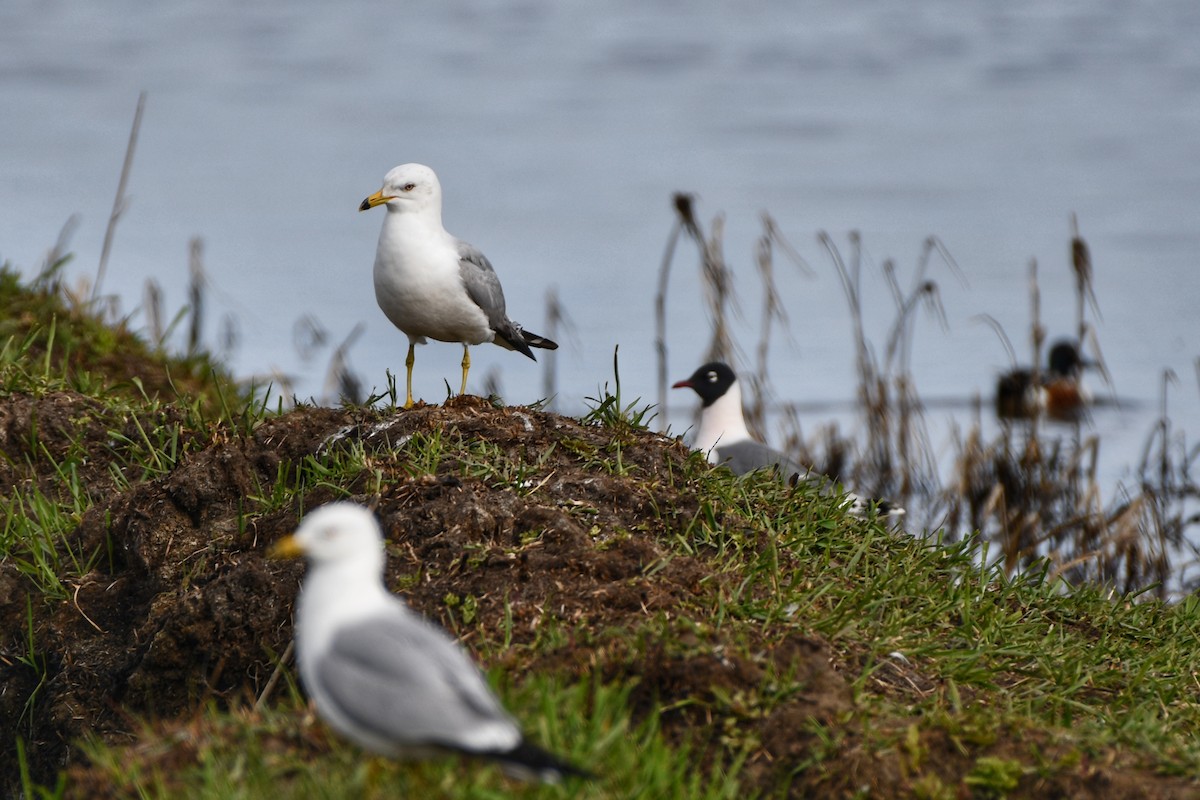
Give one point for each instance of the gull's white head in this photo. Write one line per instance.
(408, 187)
(336, 533)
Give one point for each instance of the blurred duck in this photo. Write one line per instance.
(1058, 392)
(725, 439)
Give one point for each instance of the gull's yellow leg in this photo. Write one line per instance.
(408, 363)
(466, 365)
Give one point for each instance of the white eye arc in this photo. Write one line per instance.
(712, 377)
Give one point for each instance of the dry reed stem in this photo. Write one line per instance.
(197, 283)
(341, 384)
(120, 202)
(686, 221)
(153, 306)
(556, 317)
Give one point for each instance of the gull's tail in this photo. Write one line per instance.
(530, 762)
(533, 340)
(865, 508)
(514, 337)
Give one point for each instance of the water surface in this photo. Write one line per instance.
(560, 133)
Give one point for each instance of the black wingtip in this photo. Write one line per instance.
(887, 508)
(530, 761)
(519, 339)
(517, 343)
(533, 340)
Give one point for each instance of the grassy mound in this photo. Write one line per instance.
(677, 631)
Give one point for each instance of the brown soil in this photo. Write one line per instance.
(184, 609)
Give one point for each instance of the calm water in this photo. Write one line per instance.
(560, 133)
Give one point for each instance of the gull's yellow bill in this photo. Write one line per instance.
(377, 199)
(287, 547)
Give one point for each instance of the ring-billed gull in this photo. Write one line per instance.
(725, 439)
(379, 673)
(432, 285)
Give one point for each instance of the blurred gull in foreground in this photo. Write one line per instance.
(382, 675)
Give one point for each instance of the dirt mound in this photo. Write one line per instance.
(181, 607)
(503, 524)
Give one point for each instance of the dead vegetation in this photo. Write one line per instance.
(1032, 492)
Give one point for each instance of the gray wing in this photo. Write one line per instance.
(483, 287)
(406, 681)
(748, 455)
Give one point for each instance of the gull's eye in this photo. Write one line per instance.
(712, 377)
(408, 187)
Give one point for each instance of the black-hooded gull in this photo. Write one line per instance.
(725, 439)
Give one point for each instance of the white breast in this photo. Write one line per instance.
(722, 423)
(333, 595)
(419, 287)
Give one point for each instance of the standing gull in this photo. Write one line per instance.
(725, 439)
(382, 675)
(432, 285)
